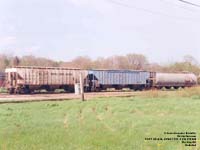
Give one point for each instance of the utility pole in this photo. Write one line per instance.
(82, 87)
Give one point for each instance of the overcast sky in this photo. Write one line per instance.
(163, 30)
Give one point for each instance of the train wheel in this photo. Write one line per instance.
(49, 89)
(168, 87)
(69, 89)
(11, 91)
(142, 87)
(27, 91)
(176, 87)
(87, 89)
(93, 89)
(17, 91)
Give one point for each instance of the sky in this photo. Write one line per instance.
(163, 30)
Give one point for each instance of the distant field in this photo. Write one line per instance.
(100, 123)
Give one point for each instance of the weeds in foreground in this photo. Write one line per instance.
(193, 92)
(65, 122)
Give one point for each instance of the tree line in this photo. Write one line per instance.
(130, 61)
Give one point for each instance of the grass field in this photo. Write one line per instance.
(100, 123)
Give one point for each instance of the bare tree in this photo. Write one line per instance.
(15, 61)
(130, 61)
(5, 61)
(136, 61)
(37, 61)
(83, 62)
(190, 59)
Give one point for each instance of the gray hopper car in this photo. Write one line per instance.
(28, 79)
(118, 79)
(175, 80)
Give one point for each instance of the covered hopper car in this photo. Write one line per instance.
(28, 79)
(118, 79)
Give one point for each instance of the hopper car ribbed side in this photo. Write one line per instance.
(118, 79)
(28, 79)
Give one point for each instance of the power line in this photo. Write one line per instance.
(179, 6)
(149, 11)
(186, 2)
(137, 8)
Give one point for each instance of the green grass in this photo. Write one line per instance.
(98, 124)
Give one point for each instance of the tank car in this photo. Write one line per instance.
(175, 80)
(27, 79)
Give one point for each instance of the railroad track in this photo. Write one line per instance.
(6, 98)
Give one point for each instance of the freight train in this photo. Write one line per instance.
(28, 79)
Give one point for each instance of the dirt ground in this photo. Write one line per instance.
(6, 98)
